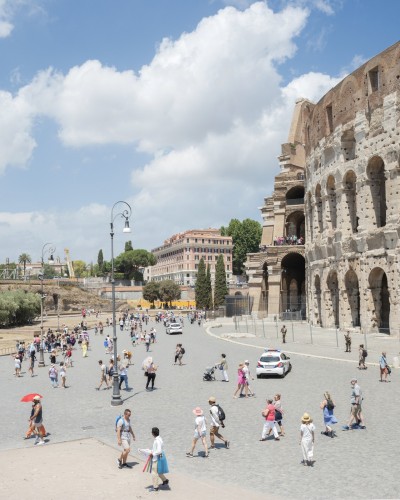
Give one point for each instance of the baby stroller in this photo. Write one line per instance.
(209, 373)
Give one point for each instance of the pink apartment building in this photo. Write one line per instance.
(178, 258)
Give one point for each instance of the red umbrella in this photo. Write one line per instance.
(29, 397)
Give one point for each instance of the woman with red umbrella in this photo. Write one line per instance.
(36, 419)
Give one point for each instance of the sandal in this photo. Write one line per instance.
(189, 455)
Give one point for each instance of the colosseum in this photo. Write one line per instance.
(330, 244)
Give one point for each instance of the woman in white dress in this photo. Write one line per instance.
(307, 430)
(200, 431)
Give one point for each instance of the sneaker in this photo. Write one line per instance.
(127, 465)
(155, 489)
(227, 444)
(166, 482)
(345, 427)
(189, 455)
(362, 426)
(39, 442)
(119, 463)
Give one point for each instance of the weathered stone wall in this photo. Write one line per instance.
(353, 199)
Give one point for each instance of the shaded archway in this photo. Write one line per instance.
(377, 179)
(318, 208)
(292, 286)
(353, 296)
(350, 209)
(295, 225)
(332, 300)
(381, 298)
(317, 301)
(295, 196)
(331, 192)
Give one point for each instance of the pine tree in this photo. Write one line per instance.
(100, 260)
(201, 286)
(209, 288)
(220, 288)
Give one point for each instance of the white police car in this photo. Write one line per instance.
(173, 328)
(273, 362)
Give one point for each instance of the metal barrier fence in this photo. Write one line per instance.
(305, 333)
(7, 351)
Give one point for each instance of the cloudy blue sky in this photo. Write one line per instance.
(177, 106)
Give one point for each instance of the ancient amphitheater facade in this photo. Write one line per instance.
(351, 139)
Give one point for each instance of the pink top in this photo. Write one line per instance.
(271, 413)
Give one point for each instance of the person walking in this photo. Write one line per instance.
(31, 428)
(279, 413)
(53, 375)
(200, 431)
(307, 438)
(17, 366)
(216, 423)
(123, 375)
(177, 352)
(160, 464)
(356, 407)
(103, 377)
(247, 377)
(84, 346)
(241, 380)
(223, 366)
(362, 354)
(150, 370)
(180, 354)
(124, 433)
(269, 424)
(384, 368)
(347, 339)
(327, 406)
(37, 420)
(283, 332)
(110, 371)
(63, 374)
(32, 357)
(147, 339)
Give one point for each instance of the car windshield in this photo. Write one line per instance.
(175, 325)
(270, 359)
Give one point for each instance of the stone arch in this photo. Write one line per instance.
(348, 144)
(350, 209)
(377, 182)
(332, 300)
(318, 208)
(310, 212)
(331, 193)
(378, 284)
(295, 196)
(295, 224)
(318, 303)
(353, 296)
(292, 283)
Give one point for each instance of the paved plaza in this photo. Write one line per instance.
(356, 464)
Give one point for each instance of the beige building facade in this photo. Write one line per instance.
(178, 258)
(351, 205)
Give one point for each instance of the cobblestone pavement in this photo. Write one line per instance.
(356, 464)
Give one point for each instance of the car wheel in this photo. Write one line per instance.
(258, 376)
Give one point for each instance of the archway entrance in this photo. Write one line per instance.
(353, 296)
(295, 226)
(332, 300)
(381, 297)
(293, 287)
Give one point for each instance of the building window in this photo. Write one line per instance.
(227, 267)
(196, 266)
(373, 77)
(202, 240)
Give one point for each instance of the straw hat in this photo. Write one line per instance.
(306, 419)
(212, 399)
(36, 398)
(198, 411)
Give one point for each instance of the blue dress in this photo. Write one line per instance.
(329, 417)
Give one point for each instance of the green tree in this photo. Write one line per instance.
(24, 259)
(79, 268)
(246, 238)
(48, 271)
(18, 307)
(129, 262)
(220, 287)
(201, 294)
(151, 291)
(169, 291)
(128, 246)
(209, 288)
(100, 261)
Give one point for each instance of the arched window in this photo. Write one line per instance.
(350, 209)
(318, 208)
(376, 175)
(331, 191)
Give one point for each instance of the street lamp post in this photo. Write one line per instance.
(45, 251)
(125, 214)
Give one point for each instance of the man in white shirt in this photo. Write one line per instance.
(103, 374)
(215, 423)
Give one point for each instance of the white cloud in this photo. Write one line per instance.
(209, 108)
(6, 26)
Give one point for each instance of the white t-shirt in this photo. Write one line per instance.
(158, 448)
(307, 430)
(125, 429)
(246, 372)
(214, 416)
(200, 423)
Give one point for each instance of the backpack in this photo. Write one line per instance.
(221, 413)
(365, 353)
(116, 422)
(183, 350)
(329, 404)
(107, 371)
